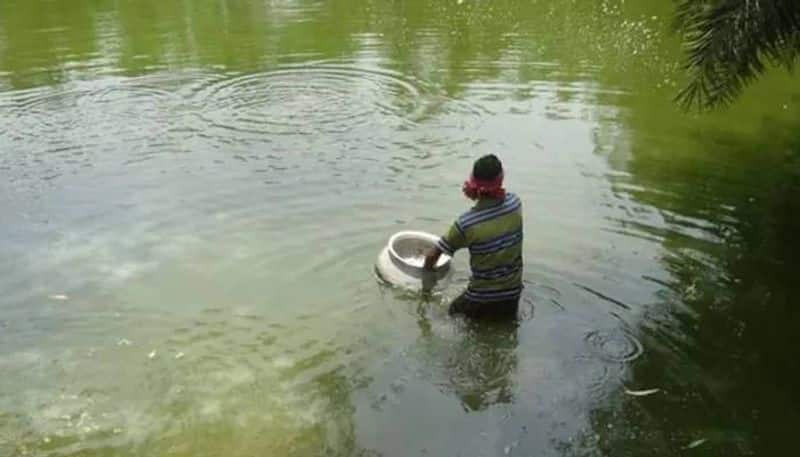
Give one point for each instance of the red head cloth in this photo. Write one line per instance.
(475, 188)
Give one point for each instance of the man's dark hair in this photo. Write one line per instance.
(487, 167)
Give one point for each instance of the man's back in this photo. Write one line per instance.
(492, 230)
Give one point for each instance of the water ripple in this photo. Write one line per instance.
(77, 127)
(614, 345)
(306, 100)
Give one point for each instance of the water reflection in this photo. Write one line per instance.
(479, 362)
(505, 41)
(719, 334)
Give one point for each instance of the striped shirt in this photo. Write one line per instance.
(492, 230)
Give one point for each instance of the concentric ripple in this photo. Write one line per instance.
(89, 114)
(614, 345)
(305, 100)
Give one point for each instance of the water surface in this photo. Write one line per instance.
(193, 194)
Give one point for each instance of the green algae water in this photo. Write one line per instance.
(193, 195)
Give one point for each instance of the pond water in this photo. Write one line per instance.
(193, 195)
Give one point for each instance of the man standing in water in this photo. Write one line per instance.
(492, 230)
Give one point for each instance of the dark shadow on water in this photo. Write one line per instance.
(721, 339)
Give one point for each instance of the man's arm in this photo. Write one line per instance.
(448, 244)
(428, 275)
(432, 257)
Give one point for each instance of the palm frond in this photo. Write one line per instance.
(731, 42)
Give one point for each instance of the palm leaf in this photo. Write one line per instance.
(732, 42)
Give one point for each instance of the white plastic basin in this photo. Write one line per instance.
(401, 262)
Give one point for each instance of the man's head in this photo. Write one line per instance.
(486, 180)
(487, 168)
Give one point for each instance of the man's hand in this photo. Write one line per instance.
(428, 275)
(431, 258)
